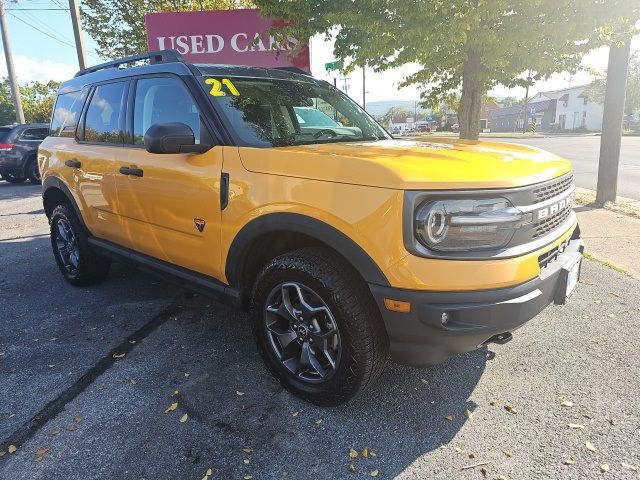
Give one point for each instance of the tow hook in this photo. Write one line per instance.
(499, 338)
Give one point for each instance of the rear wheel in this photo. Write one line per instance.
(77, 262)
(317, 327)
(13, 178)
(33, 172)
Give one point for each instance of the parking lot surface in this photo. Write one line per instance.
(88, 377)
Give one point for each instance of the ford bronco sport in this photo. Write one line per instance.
(275, 191)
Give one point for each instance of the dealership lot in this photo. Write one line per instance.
(87, 375)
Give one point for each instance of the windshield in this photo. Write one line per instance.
(273, 113)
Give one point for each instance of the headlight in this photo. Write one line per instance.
(466, 225)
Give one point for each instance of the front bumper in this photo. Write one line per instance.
(474, 318)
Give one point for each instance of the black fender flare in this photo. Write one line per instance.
(309, 226)
(55, 183)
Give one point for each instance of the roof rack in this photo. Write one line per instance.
(294, 70)
(158, 56)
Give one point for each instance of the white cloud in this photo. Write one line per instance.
(31, 69)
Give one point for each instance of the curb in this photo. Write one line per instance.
(627, 206)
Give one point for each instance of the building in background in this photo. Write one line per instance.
(513, 118)
(574, 110)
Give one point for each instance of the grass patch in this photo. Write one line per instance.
(605, 263)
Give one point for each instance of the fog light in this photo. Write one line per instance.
(444, 318)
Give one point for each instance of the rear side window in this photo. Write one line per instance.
(104, 119)
(37, 134)
(4, 133)
(67, 113)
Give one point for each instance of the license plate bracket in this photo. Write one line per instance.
(569, 276)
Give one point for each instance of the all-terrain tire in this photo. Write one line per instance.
(79, 265)
(12, 178)
(363, 343)
(32, 171)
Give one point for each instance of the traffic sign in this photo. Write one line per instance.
(336, 65)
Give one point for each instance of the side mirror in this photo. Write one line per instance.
(172, 138)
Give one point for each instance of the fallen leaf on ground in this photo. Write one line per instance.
(40, 454)
(493, 403)
(589, 446)
(374, 473)
(54, 432)
(247, 450)
(71, 428)
(458, 449)
(501, 477)
(171, 407)
(628, 466)
(247, 477)
(184, 418)
(77, 419)
(352, 453)
(569, 462)
(567, 403)
(208, 474)
(365, 452)
(174, 393)
(246, 461)
(318, 421)
(2, 453)
(294, 414)
(424, 380)
(468, 413)
(510, 409)
(239, 393)
(449, 417)
(507, 453)
(351, 467)
(12, 449)
(611, 315)
(574, 425)
(604, 468)
(118, 356)
(597, 301)
(615, 294)
(484, 471)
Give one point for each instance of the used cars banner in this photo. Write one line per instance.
(237, 37)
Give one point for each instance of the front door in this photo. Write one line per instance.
(171, 201)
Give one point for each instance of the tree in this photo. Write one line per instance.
(37, 101)
(511, 101)
(118, 26)
(461, 45)
(396, 115)
(596, 91)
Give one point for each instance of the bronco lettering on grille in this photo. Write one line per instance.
(555, 207)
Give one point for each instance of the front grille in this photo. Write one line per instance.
(546, 258)
(553, 188)
(545, 226)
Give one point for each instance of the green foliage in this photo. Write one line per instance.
(597, 89)
(461, 45)
(396, 115)
(118, 26)
(511, 101)
(37, 101)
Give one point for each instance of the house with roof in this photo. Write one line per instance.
(513, 118)
(574, 109)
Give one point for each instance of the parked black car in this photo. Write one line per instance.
(19, 151)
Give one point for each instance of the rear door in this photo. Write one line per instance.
(172, 211)
(99, 154)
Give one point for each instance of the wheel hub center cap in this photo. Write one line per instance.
(302, 331)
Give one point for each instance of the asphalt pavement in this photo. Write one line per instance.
(88, 377)
(584, 153)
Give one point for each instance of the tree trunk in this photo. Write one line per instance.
(471, 99)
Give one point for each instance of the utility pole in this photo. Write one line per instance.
(364, 90)
(526, 104)
(611, 139)
(11, 73)
(77, 33)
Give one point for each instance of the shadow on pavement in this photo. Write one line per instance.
(10, 191)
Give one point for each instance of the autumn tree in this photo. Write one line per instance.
(37, 101)
(118, 26)
(396, 115)
(461, 45)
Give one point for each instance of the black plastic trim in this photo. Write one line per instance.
(196, 281)
(293, 222)
(224, 190)
(56, 183)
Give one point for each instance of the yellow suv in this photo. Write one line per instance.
(274, 191)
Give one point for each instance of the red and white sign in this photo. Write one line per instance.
(235, 37)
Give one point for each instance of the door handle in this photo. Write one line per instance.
(73, 163)
(137, 172)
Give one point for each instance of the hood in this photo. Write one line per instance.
(410, 164)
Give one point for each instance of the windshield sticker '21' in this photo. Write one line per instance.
(216, 87)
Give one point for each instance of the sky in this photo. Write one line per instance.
(43, 49)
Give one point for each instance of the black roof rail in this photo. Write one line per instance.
(158, 56)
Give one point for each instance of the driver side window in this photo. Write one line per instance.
(163, 100)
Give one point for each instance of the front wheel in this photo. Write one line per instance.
(317, 326)
(33, 172)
